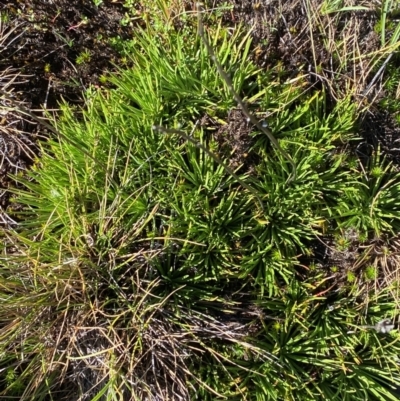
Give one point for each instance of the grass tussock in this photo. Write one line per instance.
(139, 267)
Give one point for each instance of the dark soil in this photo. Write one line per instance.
(233, 139)
(58, 49)
(380, 129)
(52, 36)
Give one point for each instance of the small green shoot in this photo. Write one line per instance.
(351, 277)
(83, 57)
(371, 273)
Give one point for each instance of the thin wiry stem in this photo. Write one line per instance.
(377, 75)
(236, 96)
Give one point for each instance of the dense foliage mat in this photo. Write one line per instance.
(141, 269)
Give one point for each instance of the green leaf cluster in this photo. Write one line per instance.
(150, 242)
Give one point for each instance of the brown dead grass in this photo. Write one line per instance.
(337, 50)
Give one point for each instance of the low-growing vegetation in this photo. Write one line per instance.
(160, 247)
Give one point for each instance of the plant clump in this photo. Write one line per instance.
(189, 261)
